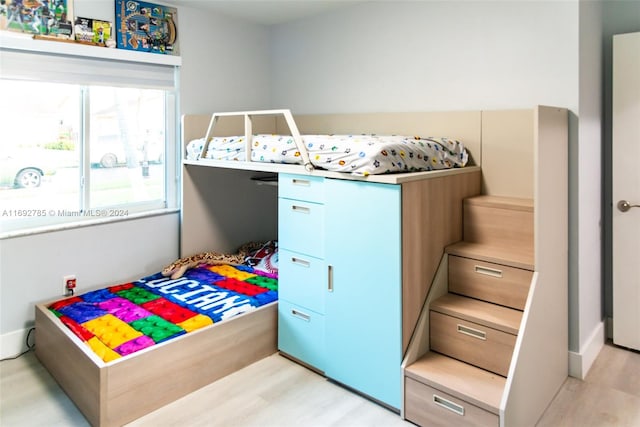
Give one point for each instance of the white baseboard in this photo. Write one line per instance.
(580, 363)
(14, 343)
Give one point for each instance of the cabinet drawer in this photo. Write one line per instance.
(301, 334)
(427, 406)
(301, 187)
(302, 279)
(495, 283)
(470, 342)
(301, 227)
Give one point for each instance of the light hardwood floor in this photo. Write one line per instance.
(278, 392)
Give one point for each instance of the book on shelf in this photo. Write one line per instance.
(91, 30)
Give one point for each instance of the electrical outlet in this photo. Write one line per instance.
(69, 285)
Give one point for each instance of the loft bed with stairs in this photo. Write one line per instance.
(479, 311)
(397, 285)
(490, 347)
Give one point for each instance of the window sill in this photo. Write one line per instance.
(19, 41)
(84, 223)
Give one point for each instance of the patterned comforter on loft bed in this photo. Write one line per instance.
(356, 154)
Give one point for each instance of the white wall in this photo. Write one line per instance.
(32, 267)
(586, 336)
(225, 63)
(96, 9)
(224, 67)
(435, 55)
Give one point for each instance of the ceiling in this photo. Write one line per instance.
(266, 12)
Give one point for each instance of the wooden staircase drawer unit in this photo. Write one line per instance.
(499, 284)
(479, 345)
(427, 406)
(499, 221)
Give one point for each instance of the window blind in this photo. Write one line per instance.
(60, 68)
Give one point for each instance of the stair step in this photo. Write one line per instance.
(466, 382)
(499, 202)
(473, 331)
(489, 281)
(483, 313)
(499, 222)
(514, 256)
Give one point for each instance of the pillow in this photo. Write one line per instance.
(265, 258)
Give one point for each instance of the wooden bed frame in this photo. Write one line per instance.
(115, 393)
(118, 392)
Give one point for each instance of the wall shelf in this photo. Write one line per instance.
(26, 42)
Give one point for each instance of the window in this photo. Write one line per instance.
(126, 147)
(84, 145)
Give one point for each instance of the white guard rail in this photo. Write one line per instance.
(248, 131)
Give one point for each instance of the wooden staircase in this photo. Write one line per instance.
(474, 325)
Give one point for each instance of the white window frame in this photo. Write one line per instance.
(91, 65)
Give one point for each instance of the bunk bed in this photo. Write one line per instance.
(226, 203)
(328, 223)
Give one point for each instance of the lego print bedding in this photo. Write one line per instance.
(356, 154)
(120, 320)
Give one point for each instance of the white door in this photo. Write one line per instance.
(626, 190)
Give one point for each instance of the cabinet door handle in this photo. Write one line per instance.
(475, 333)
(330, 278)
(302, 182)
(301, 209)
(300, 315)
(487, 271)
(300, 262)
(447, 404)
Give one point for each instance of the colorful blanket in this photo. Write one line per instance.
(126, 318)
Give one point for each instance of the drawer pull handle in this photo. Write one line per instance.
(493, 272)
(447, 404)
(300, 262)
(330, 278)
(301, 209)
(475, 333)
(303, 182)
(300, 315)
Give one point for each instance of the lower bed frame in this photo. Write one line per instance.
(121, 391)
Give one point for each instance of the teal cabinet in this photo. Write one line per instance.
(363, 318)
(305, 279)
(302, 271)
(340, 281)
(301, 334)
(302, 226)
